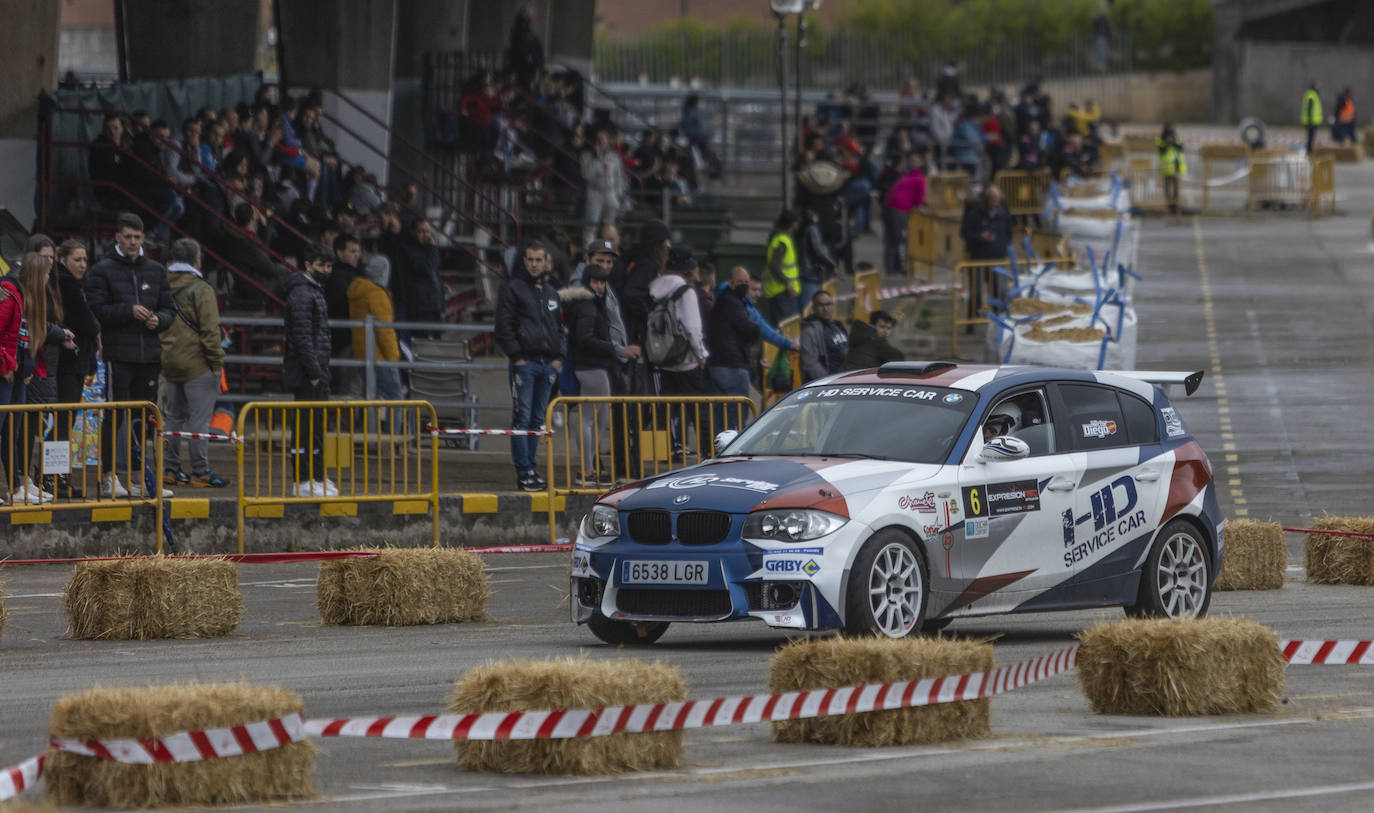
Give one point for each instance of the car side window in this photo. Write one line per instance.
(1095, 420)
(1142, 427)
(1025, 415)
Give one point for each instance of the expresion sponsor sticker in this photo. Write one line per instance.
(998, 499)
(1099, 429)
(1173, 424)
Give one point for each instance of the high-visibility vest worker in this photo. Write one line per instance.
(1171, 161)
(1345, 113)
(1311, 109)
(790, 279)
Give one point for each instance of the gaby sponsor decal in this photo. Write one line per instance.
(1113, 517)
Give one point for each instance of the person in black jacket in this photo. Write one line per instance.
(132, 298)
(731, 334)
(588, 317)
(415, 286)
(868, 345)
(305, 366)
(646, 262)
(348, 253)
(986, 229)
(529, 330)
(73, 365)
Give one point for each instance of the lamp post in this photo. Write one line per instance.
(781, 9)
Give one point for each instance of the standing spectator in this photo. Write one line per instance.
(604, 175)
(944, 115)
(415, 284)
(107, 165)
(816, 262)
(240, 247)
(305, 367)
(908, 192)
(587, 307)
(1311, 115)
(1031, 147)
(731, 335)
(1072, 157)
(947, 86)
(1171, 164)
(192, 360)
(646, 263)
(824, 342)
(683, 374)
(704, 282)
(74, 363)
(868, 343)
(1343, 129)
(155, 187)
(43, 334)
(697, 135)
(369, 296)
(530, 332)
(132, 298)
(525, 52)
(781, 278)
(986, 226)
(348, 254)
(624, 437)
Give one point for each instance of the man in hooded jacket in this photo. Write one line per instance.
(529, 330)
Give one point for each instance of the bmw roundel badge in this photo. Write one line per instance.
(681, 498)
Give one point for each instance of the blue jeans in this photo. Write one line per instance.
(389, 389)
(809, 290)
(858, 196)
(531, 384)
(729, 381)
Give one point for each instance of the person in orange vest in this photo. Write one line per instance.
(1343, 128)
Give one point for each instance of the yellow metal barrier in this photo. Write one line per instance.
(1283, 179)
(933, 242)
(979, 281)
(946, 193)
(1024, 192)
(47, 451)
(1220, 160)
(1113, 155)
(290, 448)
(1147, 189)
(1323, 197)
(867, 285)
(649, 435)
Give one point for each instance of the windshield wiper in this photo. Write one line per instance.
(856, 454)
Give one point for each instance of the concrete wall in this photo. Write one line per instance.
(1273, 76)
(1139, 97)
(28, 39)
(172, 39)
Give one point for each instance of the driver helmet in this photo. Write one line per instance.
(1004, 419)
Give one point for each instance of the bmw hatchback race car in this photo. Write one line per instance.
(894, 500)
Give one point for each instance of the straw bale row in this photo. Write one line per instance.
(153, 597)
(1255, 556)
(402, 587)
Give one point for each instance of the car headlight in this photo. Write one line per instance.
(604, 520)
(791, 524)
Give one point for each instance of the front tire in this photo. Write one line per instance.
(886, 593)
(627, 633)
(1176, 582)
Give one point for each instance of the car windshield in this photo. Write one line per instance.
(878, 421)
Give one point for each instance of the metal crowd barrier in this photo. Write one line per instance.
(867, 287)
(52, 455)
(1147, 189)
(367, 464)
(980, 280)
(946, 193)
(933, 242)
(648, 435)
(1023, 191)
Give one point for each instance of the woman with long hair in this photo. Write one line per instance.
(74, 363)
(47, 338)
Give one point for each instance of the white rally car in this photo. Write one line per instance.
(893, 500)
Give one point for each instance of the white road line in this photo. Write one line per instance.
(1231, 799)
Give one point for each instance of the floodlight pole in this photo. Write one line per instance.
(797, 78)
(782, 102)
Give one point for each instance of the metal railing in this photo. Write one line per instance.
(47, 452)
(648, 435)
(979, 280)
(290, 449)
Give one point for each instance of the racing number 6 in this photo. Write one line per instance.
(973, 501)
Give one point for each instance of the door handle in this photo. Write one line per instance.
(1148, 476)
(1061, 484)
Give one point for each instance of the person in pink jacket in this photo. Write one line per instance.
(908, 192)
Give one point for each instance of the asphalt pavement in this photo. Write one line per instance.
(1276, 308)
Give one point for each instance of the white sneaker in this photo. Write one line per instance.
(32, 495)
(330, 488)
(313, 488)
(118, 489)
(43, 495)
(136, 490)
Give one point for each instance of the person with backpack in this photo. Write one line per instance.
(529, 329)
(192, 360)
(675, 340)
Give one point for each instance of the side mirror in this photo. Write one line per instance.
(1003, 448)
(725, 439)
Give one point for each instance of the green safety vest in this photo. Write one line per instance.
(790, 280)
(1171, 160)
(1311, 108)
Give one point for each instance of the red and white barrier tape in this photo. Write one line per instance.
(1304, 653)
(721, 711)
(193, 746)
(434, 430)
(15, 780)
(557, 547)
(902, 290)
(1316, 532)
(230, 438)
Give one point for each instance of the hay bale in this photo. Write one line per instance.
(1341, 559)
(829, 663)
(153, 597)
(402, 587)
(1181, 667)
(569, 683)
(1255, 556)
(157, 711)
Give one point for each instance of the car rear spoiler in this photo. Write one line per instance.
(1190, 381)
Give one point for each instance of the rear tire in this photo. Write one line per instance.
(1176, 581)
(886, 593)
(627, 633)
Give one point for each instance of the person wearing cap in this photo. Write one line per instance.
(602, 254)
(586, 309)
